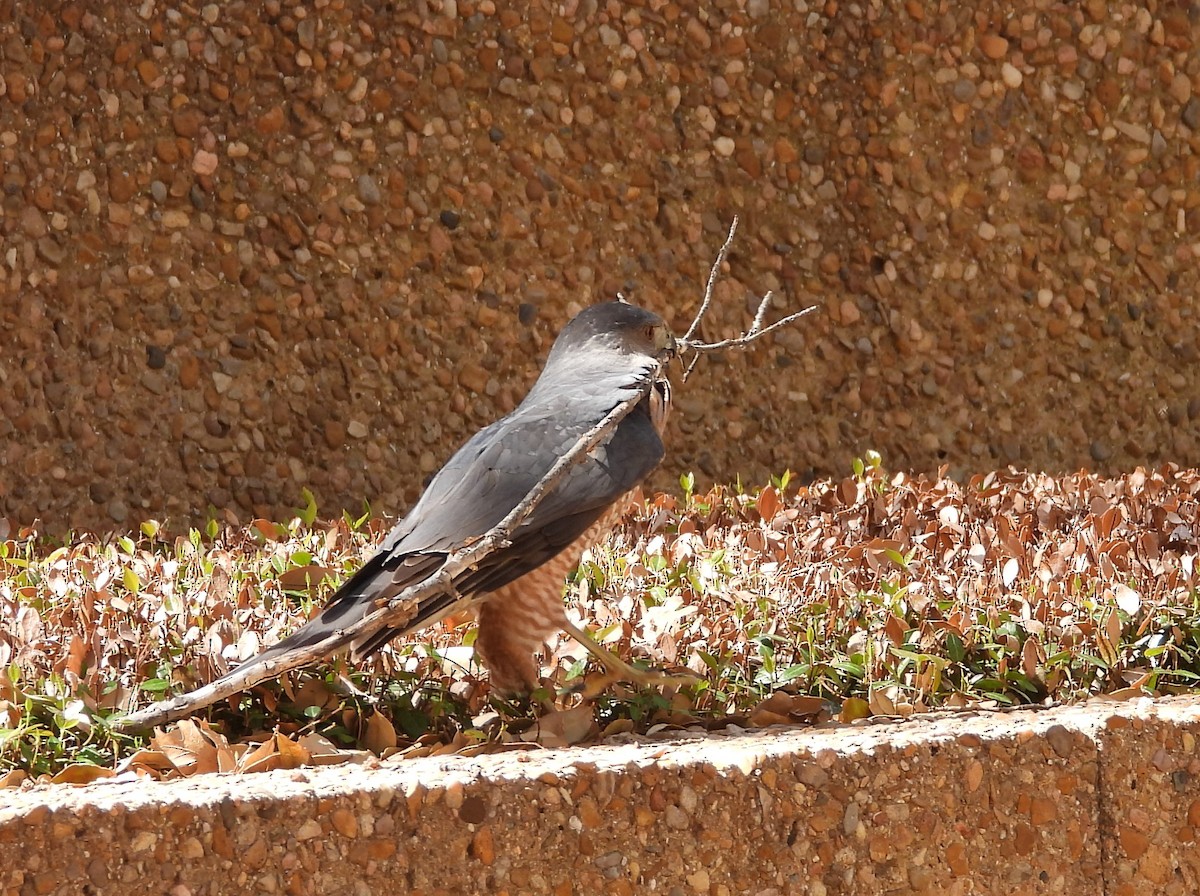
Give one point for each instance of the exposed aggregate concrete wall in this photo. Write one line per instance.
(255, 245)
(1102, 799)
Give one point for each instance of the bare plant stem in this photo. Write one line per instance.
(394, 611)
(713, 274)
(756, 331)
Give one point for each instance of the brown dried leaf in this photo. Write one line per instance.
(768, 503)
(82, 773)
(76, 653)
(563, 727)
(1127, 599)
(594, 684)
(496, 747)
(855, 708)
(895, 628)
(617, 726)
(1108, 521)
(849, 491)
(262, 758)
(416, 751)
(322, 751)
(1010, 571)
(267, 529)
(29, 625)
(1123, 694)
(762, 718)
(1112, 628)
(248, 645)
(880, 703)
(154, 761)
(192, 748)
(790, 706)
(277, 751)
(292, 754)
(1029, 660)
(379, 734)
(318, 745)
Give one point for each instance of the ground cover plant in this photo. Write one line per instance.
(878, 594)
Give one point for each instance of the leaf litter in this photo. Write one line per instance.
(874, 595)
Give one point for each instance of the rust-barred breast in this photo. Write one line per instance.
(516, 620)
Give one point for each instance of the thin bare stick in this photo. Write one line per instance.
(392, 611)
(396, 611)
(761, 314)
(712, 281)
(756, 331)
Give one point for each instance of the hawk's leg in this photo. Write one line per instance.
(509, 636)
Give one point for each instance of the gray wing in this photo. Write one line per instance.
(499, 466)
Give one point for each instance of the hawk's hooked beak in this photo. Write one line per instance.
(665, 344)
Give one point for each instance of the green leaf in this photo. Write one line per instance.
(792, 673)
(850, 668)
(955, 649)
(687, 482)
(356, 523)
(307, 513)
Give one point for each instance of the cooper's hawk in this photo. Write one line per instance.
(603, 357)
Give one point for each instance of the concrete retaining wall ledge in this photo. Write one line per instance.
(1095, 799)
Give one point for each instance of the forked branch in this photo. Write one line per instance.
(396, 611)
(687, 344)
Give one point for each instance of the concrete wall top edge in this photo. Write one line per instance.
(730, 754)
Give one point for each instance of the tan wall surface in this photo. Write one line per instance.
(1102, 800)
(251, 246)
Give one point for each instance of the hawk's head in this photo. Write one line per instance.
(618, 327)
